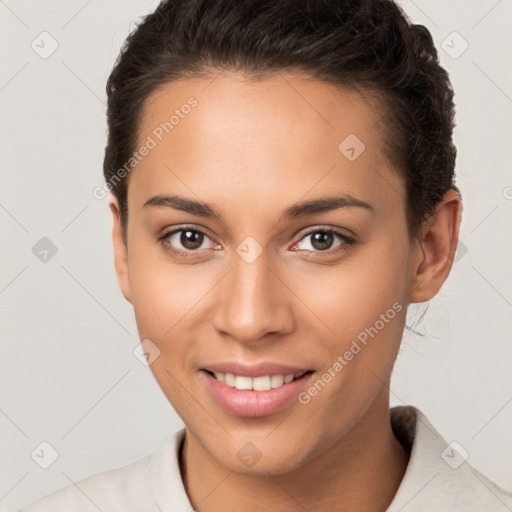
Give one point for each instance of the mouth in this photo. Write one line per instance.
(261, 394)
(260, 383)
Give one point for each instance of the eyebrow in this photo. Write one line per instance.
(297, 210)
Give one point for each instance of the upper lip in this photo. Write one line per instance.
(255, 370)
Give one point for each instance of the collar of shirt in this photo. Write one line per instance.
(438, 476)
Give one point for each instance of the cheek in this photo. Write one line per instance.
(363, 303)
(364, 310)
(165, 298)
(348, 297)
(163, 292)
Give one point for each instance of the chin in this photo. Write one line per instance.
(258, 459)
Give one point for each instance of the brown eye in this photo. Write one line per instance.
(191, 239)
(186, 242)
(322, 240)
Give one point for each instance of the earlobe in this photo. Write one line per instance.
(435, 250)
(120, 251)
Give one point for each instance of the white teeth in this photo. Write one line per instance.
(243, 382)
(263, 383)
(277, 380)
(229, 380)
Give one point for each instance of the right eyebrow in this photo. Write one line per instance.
(186, 205)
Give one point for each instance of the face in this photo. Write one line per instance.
(294, 259)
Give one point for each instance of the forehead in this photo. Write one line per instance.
(255, 106)
(277, 135)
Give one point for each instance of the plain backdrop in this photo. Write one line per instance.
(68, 373)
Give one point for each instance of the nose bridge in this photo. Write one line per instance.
(252, 301)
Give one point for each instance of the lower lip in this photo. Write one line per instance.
(243, 402)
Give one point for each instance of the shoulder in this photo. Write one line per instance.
(439, 476)
(123, 488)
(150, 484)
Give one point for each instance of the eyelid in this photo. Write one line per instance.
(326, 228)
(165, 233)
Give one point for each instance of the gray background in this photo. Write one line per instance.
(68, 373)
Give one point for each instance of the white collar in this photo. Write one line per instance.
(436, 479)
(438, 476)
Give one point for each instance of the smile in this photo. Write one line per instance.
(254, 396)
(261, 383)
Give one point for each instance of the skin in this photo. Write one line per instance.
(251, 150)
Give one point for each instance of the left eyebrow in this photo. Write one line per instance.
(326, 204)
(295, 211)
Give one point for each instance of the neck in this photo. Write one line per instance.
(361, 471)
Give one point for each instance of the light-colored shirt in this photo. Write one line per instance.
(438, 478)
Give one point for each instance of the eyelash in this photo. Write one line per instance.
(347, 241)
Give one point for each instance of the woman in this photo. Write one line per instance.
(283, 188)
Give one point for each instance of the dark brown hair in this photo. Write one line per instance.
(366, 44)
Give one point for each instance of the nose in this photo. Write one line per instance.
(253, 302)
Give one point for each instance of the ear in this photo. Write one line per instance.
(434, 252)
(120, 250)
